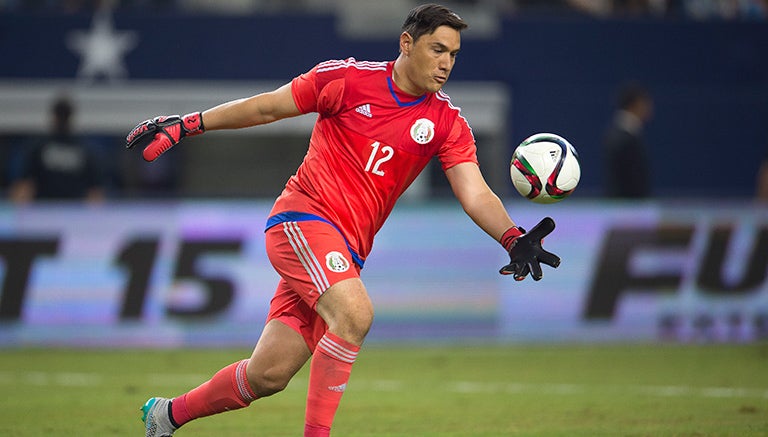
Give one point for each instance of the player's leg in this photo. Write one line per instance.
(278, 355)
(334, 309)
(348, 312)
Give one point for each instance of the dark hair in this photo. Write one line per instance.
(424, 19)
(62, 108)
(630, 93)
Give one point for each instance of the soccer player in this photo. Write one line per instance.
(378, 125)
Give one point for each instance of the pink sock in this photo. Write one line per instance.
(227, 390)
(328, 376)
(316, 431)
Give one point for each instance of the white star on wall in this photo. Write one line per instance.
(101, 49)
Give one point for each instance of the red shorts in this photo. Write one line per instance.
(310, 257)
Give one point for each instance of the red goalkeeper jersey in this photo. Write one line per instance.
(369, 143)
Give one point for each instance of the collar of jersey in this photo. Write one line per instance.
(399, 103)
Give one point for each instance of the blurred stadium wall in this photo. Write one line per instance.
(559, 74)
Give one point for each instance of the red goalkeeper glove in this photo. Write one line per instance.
(525, 251)
(161, 133)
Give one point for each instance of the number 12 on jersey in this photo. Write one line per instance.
(379, 155)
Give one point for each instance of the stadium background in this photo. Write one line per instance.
(175, 257)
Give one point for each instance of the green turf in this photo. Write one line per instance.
(553, 390)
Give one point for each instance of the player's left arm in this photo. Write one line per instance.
(486, 209)
(477, 199)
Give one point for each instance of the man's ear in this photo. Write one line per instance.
(406, 43)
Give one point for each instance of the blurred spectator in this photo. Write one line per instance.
(61, 166)
(635, 8)
(627, 164)
(74, 6)
(687, 9)
(600, 8)
(65, 6)
(680, 9)
(726, 9)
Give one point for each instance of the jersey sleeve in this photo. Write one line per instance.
(320, 89)
(459, 146)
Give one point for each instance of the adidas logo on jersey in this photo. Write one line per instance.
(365, 110)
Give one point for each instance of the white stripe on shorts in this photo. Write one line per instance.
(300, 246)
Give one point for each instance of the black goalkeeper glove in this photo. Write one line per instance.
(525, 251)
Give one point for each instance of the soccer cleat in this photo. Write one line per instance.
(156, 417)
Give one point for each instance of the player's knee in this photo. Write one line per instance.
(347, 310)
(353, 326)
(267, 383)
(364, 320)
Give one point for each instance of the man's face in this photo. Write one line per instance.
(431, 59)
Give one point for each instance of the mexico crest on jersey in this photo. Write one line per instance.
(336, 262)
(423, 130)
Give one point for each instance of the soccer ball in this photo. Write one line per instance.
(545, 168)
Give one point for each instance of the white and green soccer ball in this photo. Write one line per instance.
(545, 168)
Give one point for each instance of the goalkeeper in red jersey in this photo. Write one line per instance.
(378, 125)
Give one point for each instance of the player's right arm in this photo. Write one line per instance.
(252, 111)
(159, 134)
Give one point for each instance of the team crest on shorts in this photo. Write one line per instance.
(336, 262)
(423, 130)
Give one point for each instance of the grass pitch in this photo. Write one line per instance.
(549, 390)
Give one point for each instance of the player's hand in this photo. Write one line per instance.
(159, 134)
(526, 253)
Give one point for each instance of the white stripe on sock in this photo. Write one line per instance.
(336, 350)
(242, 382)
